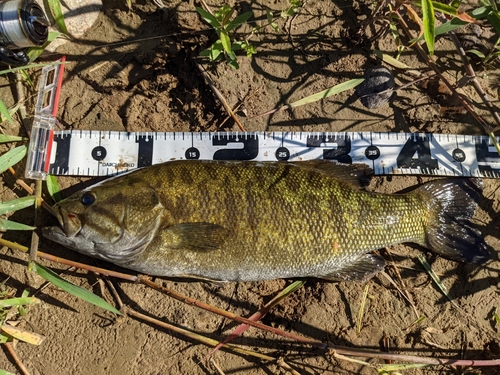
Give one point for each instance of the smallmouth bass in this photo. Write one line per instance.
(251, 221)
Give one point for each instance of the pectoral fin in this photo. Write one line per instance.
(195, 236)
(361, 270)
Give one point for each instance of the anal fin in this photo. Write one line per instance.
(361, 270)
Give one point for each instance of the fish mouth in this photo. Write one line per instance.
(70, 223)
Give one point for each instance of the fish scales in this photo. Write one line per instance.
(247, 220)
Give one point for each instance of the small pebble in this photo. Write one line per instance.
(372, 92)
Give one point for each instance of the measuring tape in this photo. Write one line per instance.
(103, 153)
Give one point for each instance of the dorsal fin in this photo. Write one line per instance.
(355, 174)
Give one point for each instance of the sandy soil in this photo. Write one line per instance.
(137, 71)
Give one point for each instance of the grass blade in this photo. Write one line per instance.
(16, 204)
(23, 335)
(238, 331)
(5, 113)
(34, 52)
(436, 279)
(30, 66)
(428, 19)
(11, 138)
(53, 188)
(320, 95)
(362, 309)
(18, 301)
(12, 225)
(12, 157)
(71, 288)
(56, 11)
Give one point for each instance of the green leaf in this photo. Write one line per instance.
(233, 63)
(18, 302)
(4, 372)
(16, 204)
(30, 66)
(428, 19)
(211, 20)
(476, 52)
(444, 8)
(12, 225)
(11, 138)
(328, 92)
(53, 188)
(56, 11)
(12, 157)
(238, 21)
(5, 112)
(320, 95)
(494, 19)
(446, 27)
(34, 52)
(71, 288)
(226, 42)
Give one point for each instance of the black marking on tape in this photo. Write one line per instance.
(416, 145)
(61, 162)
(145, 157)
(249, 151)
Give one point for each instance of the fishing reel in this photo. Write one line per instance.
(23, 24)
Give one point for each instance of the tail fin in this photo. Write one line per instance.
(452, 204)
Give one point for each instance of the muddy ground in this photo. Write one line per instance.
(138, 70)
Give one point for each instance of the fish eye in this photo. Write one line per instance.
(87, 199)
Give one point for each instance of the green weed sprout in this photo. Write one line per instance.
(223, 25)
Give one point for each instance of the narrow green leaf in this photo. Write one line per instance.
(494, 19)
(12, 157)
(12, 225)
(71, 288)
(328, 92)
(436, 279)
(446, 27)
(476, 52)
(5, 112)
(30, 66)
(56, 11)
(16, 204)
(238, 21)
(53, 188)
(390, 60)
(444, 8)
(34, 52)
(211, 20)
(226, 42)
(361, 312)
(18, 301)
(495, 142)
(428, 19)
(11, 138)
